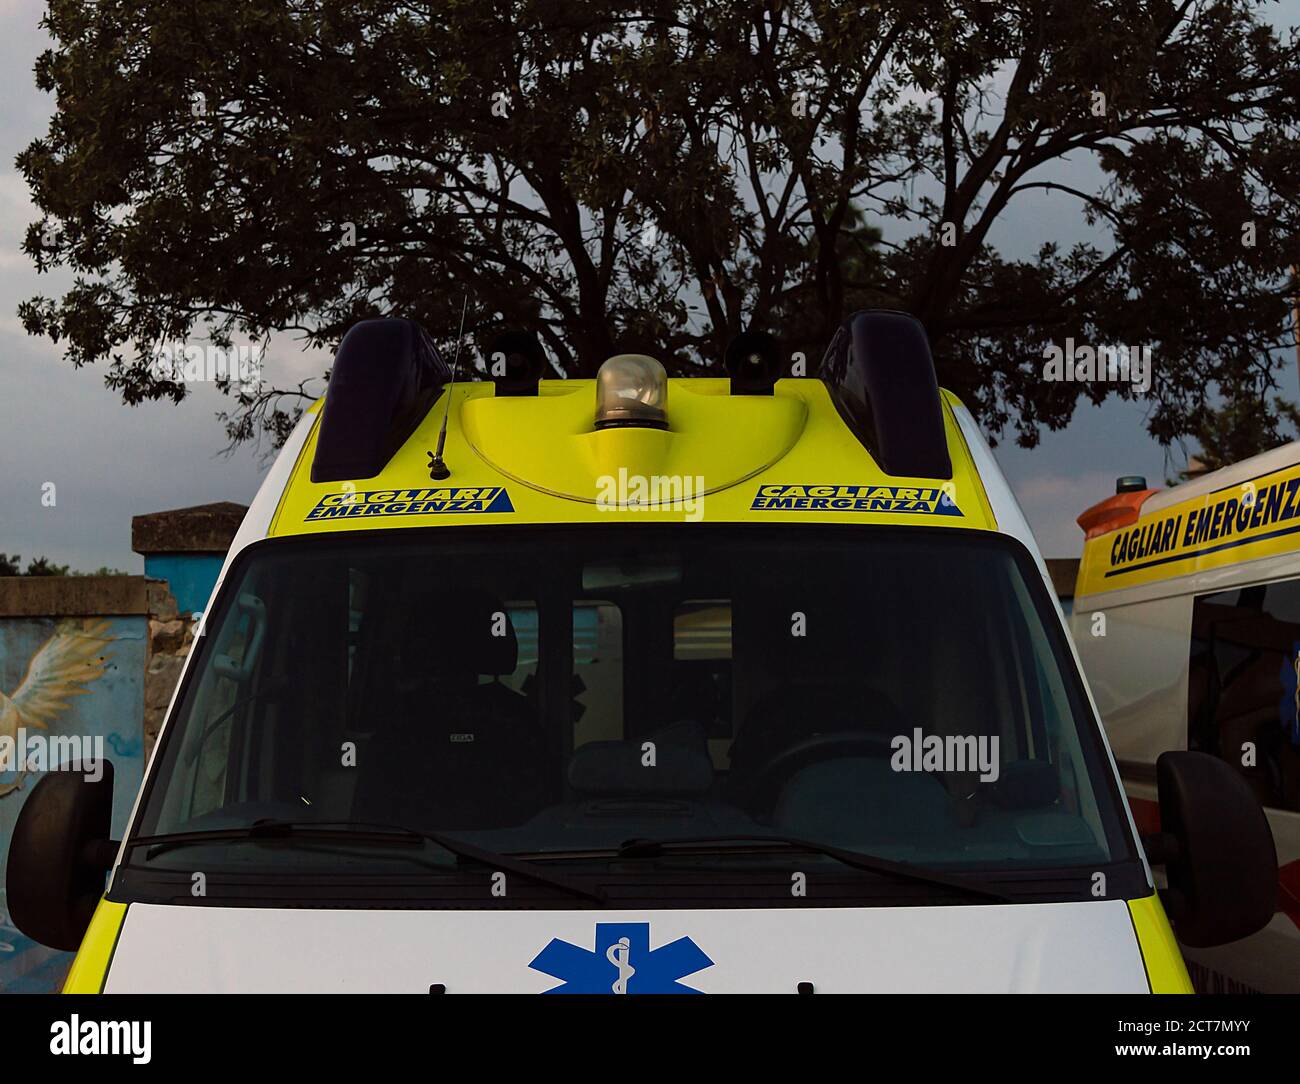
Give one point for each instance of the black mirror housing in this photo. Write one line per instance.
(59, 854)
(1218, 851)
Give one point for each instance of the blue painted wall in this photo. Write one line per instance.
(190, 575)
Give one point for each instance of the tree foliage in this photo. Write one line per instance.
(37, 566)
(663, 175)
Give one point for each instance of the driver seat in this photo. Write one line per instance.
(454, 752)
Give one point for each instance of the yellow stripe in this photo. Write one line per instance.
(90, 968)
(1258, 518)
(1166, 971)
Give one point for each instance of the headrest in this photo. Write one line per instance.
(462, 632)
(685, 732)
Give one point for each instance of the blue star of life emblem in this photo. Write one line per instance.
(621, 963)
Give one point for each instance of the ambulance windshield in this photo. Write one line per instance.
(554, 693)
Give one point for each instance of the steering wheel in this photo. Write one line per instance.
(766, 782)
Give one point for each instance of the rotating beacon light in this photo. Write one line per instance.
(631, 390)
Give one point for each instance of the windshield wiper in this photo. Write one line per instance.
(367, 832)
(339, 831)
(649, 848)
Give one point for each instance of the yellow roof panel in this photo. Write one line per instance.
(787, 457)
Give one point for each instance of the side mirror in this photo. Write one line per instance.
(1217, 850)
(59, 854)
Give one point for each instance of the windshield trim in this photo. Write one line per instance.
(719, 885)
(1099, 764)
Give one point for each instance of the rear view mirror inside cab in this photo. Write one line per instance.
(650, 570)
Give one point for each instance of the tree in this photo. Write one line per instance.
(42, 566)
(37, 566)
(661, 176)
(1239, 430)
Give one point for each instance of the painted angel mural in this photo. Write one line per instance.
(63, 667)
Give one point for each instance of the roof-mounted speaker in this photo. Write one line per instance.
(881, 375)
(515, 361)
(387, 374)
(753, 361)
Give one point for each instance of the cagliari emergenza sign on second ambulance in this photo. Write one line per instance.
(1257, 517)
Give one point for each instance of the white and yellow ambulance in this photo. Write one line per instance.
(1187, 619)
(635, 685)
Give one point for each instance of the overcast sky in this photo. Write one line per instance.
(110, 462)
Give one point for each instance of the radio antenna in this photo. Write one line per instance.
(438, 470)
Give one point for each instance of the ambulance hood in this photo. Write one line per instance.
(1030, 948)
